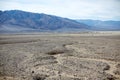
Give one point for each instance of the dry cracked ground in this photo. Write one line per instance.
(80, 56)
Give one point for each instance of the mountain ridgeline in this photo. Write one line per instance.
(21, 21)
(16, 21)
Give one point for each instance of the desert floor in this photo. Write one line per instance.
(60, 56)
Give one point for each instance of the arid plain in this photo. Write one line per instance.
(60, 56)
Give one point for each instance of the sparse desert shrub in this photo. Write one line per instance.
(103, 66)
(70, 54)
(55, 52)
(117, 72)
(77, 79)
(33, 71)
(110, 77)
(39, 77)
(107, 67)
(118, 65)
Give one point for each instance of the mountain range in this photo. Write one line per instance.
(101, 25)
(17, 21)
(22, 21)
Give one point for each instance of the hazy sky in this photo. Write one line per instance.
(74, 9)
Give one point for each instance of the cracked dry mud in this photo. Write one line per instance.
(60, 56)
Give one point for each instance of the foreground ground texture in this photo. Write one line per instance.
(80, 56)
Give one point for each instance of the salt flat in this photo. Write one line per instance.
(60, 56)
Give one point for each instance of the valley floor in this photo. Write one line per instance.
(60, 56)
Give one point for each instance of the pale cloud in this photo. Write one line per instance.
(75, 9)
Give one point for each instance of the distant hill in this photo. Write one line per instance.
(21, 21)
(101, 25)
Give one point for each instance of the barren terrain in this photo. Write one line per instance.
(60, 56)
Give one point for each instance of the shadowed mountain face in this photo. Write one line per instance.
(17, 21)
(102, 25)
(21, 21)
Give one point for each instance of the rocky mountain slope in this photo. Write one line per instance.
(17, 21)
